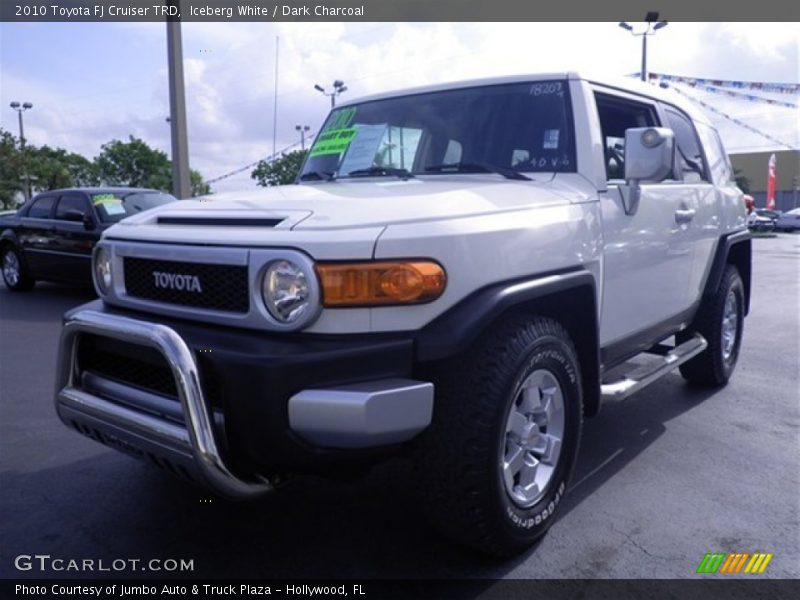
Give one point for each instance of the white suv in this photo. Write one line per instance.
(456, 272)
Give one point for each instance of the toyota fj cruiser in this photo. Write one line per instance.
(454, 276)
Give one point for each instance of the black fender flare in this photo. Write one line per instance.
(569, 296)
(736, 249)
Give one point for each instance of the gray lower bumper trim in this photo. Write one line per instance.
(362, 415)
(127, 427)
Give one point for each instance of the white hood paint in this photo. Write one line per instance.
(342, 219)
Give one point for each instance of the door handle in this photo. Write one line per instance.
(684, 215)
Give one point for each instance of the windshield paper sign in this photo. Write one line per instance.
(333, 141)
(364, 147)
(338, 134)
(109, 202)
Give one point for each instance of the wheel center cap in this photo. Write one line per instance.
(530, 434)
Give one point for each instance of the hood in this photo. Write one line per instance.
(353, 209)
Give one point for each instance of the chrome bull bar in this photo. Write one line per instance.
(195, 442)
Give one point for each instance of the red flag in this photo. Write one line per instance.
(771, 183)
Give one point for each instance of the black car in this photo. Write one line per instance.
(52, 235)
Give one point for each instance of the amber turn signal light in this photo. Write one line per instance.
(380, 283)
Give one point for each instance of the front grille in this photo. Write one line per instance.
(216, 287)
(138, 366)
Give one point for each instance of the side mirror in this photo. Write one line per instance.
(649, 157)
(88, 222)
(74, 216)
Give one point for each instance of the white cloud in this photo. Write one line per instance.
(229, 73)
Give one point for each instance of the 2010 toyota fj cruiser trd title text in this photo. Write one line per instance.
(455, 275)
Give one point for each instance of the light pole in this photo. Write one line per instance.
(21, 108)
(338, 88)
(653, 25)
(181, 182)
(302, 129)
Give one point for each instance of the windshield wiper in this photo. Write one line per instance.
(377, 170)
(321, 175)
(461, 167)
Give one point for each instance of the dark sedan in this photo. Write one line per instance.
(51, 236)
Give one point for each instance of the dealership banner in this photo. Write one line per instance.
(391, 10)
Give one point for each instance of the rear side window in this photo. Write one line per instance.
(690, 155)
(41, 207)
(718, 162)
(616, 115)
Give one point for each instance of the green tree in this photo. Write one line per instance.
(282, 171)
(53, 168)
(10, 170)
(199, 187)
(133, 163)
(742, 181)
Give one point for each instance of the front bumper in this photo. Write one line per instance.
(239, 404)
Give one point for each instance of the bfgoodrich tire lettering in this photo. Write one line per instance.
(461, 457)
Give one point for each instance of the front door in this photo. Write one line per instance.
(72, 241)
(648, 254)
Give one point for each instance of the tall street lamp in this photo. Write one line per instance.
(302, 129)
(21, 108)
(338, 88)
(653, 25)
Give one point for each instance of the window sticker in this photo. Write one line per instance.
(341, 120)
(103, 198)
(550, 139)
(333, 141)
(363, 148)
(337, 135)
(546, 88)
(110, 203)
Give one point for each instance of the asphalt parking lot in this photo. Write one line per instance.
(663, 477)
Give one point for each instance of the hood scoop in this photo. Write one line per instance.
(220, 221)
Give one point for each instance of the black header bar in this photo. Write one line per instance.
(221, 11)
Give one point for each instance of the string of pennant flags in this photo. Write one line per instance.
(270, 158)
(724, 115)
(743, 96)
(762, 86)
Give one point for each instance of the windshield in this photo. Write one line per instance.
(521, 127)
(113, 207)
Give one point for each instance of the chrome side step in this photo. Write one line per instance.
(646, 374)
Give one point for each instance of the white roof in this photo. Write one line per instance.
(626, 84)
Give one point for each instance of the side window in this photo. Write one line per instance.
(690, 156)
(719, 164)
(40, 209)
(616, 115)
(72, 207)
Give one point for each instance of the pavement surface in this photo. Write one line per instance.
(663, 477)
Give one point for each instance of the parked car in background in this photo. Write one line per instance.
(51, 236)
(762, 219)
(788, 221)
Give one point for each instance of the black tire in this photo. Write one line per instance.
(714, 366)
(460, 455)
(23, 282)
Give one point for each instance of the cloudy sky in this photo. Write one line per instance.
(93, 82)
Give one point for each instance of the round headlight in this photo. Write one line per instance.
(286, 291)
(102, 270)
